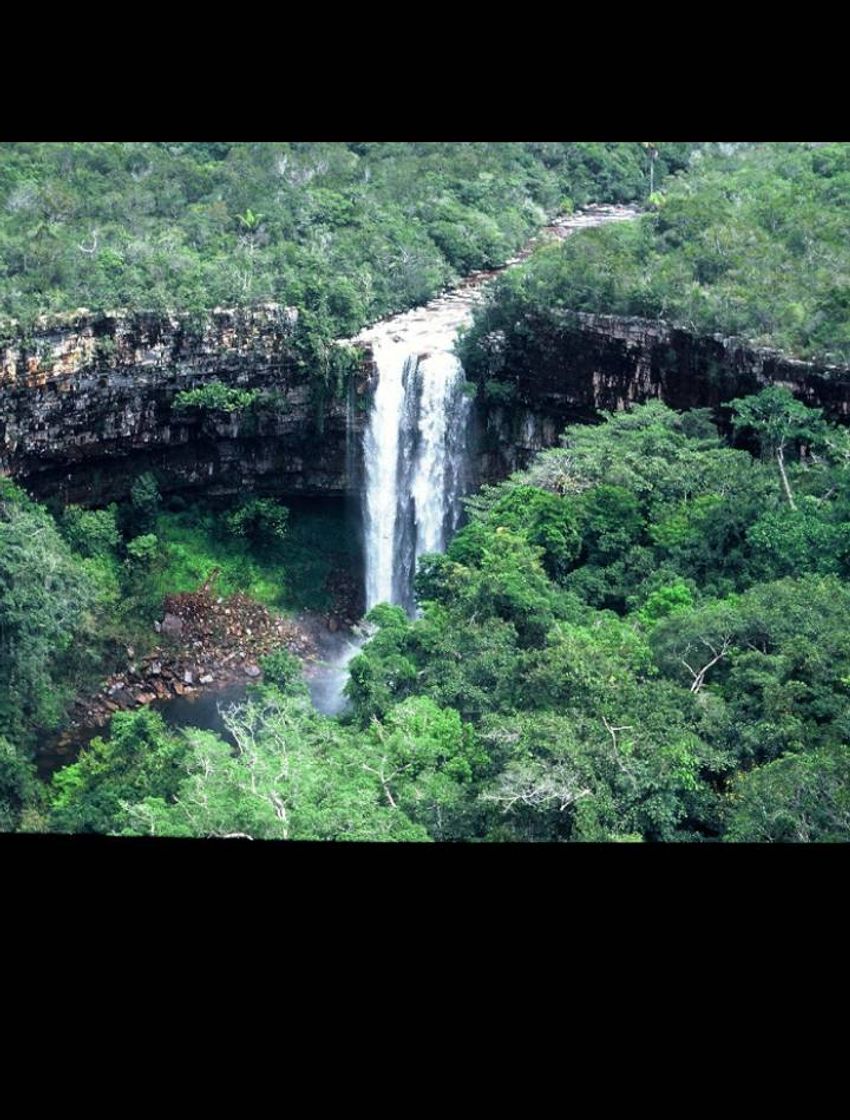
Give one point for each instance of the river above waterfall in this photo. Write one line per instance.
(434, 325)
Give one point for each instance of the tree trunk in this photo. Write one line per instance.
(780, 458)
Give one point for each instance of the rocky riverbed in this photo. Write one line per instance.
(206, 642)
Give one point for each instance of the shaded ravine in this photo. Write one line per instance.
(418, 418)
(415, 461)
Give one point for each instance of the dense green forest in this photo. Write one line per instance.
(644, 636)
(345, 232)
(754, 241)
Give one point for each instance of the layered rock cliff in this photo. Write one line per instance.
(87, 402)
(575, 365)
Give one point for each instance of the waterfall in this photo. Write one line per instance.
(414, 453)
(438, 478)
(415, 446)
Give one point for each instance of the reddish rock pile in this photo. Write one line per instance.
(206, 642)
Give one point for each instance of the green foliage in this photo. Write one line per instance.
(17, 786)
(293, 775)
(288, 572)
(142, 551)
(676, 598)
(216, 397)
(91, 532)
(261, 520)
(545, 521)
(753, 244)
(283, 670)
(796, 799)
(45, 600)
(139, 759)
(637, 638)
(425, 760)
(776, 656)
(628, 724)
(777, 418)
(145, 500)
(786, 542)
(346, 232)
(612, 522)
(499, 392)
(641, 637)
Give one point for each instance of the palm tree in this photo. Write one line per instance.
(652, 152)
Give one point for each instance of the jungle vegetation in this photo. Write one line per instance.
(752, 242)
(643, 637)
(345, 232)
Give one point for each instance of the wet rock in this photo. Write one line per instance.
(123, 699)
(188, 678)
(207, 678)
(172, 625)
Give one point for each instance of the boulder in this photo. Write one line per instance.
(172, 625)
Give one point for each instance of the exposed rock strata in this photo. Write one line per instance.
(584, 363)
(87, 403)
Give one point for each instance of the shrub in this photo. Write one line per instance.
(215, 397)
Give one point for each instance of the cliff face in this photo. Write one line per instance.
(583, 363)
(87, 403)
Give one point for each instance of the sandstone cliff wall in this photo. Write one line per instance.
(86, 402)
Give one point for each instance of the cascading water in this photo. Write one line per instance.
(414, 458)
(381, 445)
(440, 467)
(414, 448)
(414, 452)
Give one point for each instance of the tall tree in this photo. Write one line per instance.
(780, 422)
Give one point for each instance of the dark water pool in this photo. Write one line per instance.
(202, 709)
(325, 676)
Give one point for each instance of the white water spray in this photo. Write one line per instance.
(381, 455)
